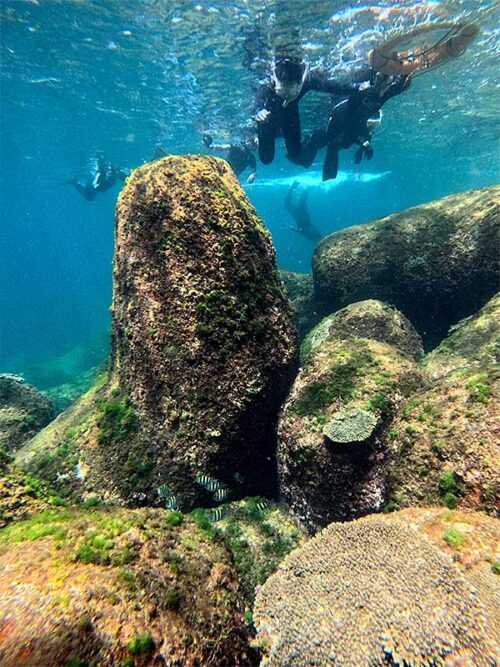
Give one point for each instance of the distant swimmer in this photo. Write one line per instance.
(300, 213)
(239, 156)
(351, 122)
(277, 104)
(99, 176)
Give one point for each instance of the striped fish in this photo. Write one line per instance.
(208, 483)
(221, 494)
(171, 503)
(163, 491)
(217, 514)
(262, 505)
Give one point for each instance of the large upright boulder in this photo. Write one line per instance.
(437, 262)
(204, 347)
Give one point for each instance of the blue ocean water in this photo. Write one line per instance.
(123, 77)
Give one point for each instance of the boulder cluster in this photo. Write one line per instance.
(206, 402)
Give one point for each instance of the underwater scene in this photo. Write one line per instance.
(249, 333)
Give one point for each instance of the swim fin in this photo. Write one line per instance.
(331, 163)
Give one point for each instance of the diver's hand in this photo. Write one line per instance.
(262, 115)
(207, 139)
(251, 178)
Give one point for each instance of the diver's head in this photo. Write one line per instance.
(289, 77)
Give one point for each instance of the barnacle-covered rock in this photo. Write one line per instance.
(372, 592)
(300, 290)
(321, 478)
(356, 425)
(23, 411)
(437, 262)
(367, 319)
(203, 340)
(444, 442)
(118, 587)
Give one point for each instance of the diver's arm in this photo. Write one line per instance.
(318, 80)
(221, 147)
(252, 163)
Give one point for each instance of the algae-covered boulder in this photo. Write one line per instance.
(23, 411)
(21, 495)
(333, 428)
(118, 587)
(204, 346)
(367, 319)
(444, 441)
(437, 262)
(380, 592)
(300, 290)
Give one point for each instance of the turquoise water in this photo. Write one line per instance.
(123, 77)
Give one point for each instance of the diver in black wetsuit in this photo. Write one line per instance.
(300, 213)
(99, 176)
(277, 105)
(239, 156)
(350, 123)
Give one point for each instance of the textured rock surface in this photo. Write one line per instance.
(23, 412)
(204, 347)
(116, 587)
(437, 262)
(20, 494)
(367, 319)
(324, 481)
(375, 592)
(300, 290)
(445, 441)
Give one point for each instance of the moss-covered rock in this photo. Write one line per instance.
(444, 442)
(118, 587)
(23, 411)
(300, 290)
(384, 591)
(204, 347)
(437, 262)
(367, 319)
(321, 477)
(21, 494)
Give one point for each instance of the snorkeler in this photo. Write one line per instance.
(277, 104)
(300, 213)
(99, 176)
(351, 122)
(239, 156)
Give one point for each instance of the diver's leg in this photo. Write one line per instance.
(266, 133)
(331, 163)
(310, 147)
(290, 127)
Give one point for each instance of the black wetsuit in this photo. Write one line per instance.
(300, 214)
(348, 124)
(99, 176)
(285, 121)
(240, 157)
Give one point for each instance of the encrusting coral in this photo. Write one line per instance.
(371, 592)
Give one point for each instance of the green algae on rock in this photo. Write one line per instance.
(114, 587)
(203, 340)
(437, 262)
(23, 411)
(349, 426)
(366, 319)
(322, 480)
(374, 591)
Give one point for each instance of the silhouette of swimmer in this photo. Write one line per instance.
(99, 176)
(300, 213)
(239, 156)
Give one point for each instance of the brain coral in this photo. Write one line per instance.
(371, 593)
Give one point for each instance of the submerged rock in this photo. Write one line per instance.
(118, 587)
(204, 348)
(378, 591)
(367, 319)
(346, 392)
(444, 442)
(300, 290)
(437, 262)
(23, 411)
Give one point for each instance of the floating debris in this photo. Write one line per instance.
(209, 483)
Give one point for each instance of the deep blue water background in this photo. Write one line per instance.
(67, 90)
